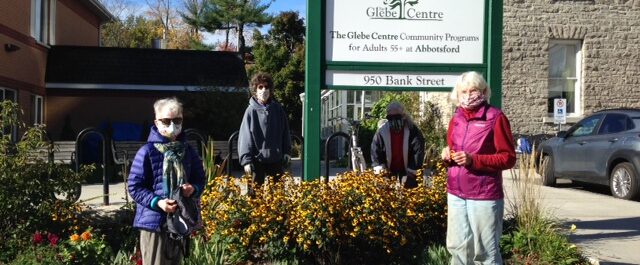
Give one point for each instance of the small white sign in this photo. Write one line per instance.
(560, 111)
(390, 79)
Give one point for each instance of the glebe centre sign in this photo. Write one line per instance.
(405, 31)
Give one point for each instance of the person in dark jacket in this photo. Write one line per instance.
(480, 147)
(164, 163)
(264, 142)
(398, 146)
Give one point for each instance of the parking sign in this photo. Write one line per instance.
(560, 111)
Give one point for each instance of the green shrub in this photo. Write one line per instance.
(44, 250)
(435, 255)
(86, 248)
(29, 187)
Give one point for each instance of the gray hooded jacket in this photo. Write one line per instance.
(264, 133)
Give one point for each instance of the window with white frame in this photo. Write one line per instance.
(37, 109)
(565, 59)
(42, 20)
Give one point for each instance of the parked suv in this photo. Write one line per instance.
(603, 148)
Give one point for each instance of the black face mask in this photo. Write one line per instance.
(396, 122)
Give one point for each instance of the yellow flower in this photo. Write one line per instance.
(86, 236)
(573, 228)
(74, 238)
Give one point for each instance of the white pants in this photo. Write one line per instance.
(474, 228)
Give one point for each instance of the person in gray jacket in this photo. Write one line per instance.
(264, 141)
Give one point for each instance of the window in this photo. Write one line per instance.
(586, 126)
(42, 20)
(11, 95)
(614, 123)
(564, 74)
(37, 109)
(8, 94)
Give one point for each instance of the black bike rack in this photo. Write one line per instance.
(105, 180)
(198, 136)
(326, 151)
(233, 136)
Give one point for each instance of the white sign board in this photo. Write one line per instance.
(405, 31)
(390, 79)
(560, 111)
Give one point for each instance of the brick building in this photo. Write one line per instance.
(28, 29)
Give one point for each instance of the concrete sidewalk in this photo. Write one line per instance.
(607, 228)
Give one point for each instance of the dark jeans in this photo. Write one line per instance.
(261, 170)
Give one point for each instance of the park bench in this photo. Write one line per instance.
(58, 152)
(124, 152)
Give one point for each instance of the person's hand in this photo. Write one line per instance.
(168, 205)
(461, 158)
(445, 155)
(287, 159)
(378, 169)
(187, 190)
(248, 169)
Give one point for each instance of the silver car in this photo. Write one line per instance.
(603, 148)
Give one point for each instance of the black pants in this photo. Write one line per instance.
(261, 170)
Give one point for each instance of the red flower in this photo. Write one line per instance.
(53, 239)
(37, 238)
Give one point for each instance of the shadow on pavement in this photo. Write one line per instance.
(577, 185)
(622, 228)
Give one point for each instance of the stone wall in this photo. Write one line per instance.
(610, 35)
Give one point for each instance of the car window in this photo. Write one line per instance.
(614, 123)
(586, 126)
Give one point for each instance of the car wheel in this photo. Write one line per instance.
(624, 181)
(548, 178)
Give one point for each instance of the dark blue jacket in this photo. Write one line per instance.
(145, 180)
(264, 133)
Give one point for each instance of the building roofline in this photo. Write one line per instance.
(100, 10)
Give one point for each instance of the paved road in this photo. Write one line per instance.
(607, 228)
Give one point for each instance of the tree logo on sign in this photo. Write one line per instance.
(393, 4)
(403, 9)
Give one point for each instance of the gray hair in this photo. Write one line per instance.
(395, 105)
(470, 79)
(172, 103)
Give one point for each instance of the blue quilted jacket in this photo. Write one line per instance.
(145, 180)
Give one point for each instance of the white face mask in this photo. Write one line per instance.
(263, 95)
(171, 131)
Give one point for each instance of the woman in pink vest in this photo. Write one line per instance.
(480, 147)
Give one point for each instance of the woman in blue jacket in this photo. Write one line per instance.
(164, 163)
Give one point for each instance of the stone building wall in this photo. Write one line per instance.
(610, 35)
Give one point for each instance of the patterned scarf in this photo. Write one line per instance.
(172, 169)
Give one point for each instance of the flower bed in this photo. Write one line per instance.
(361, 218)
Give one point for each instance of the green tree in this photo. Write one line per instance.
(230, 14)
(281, 53)
(133, 32)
